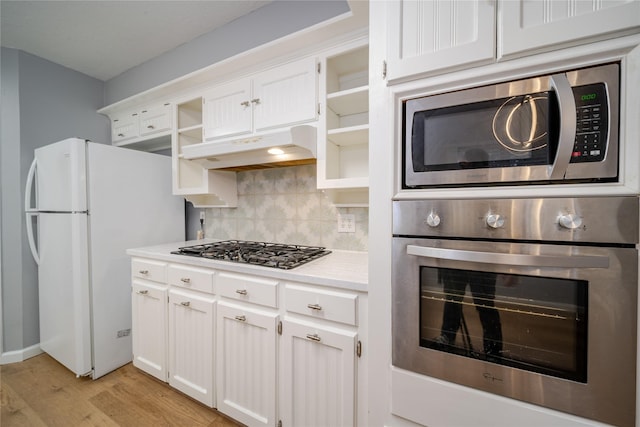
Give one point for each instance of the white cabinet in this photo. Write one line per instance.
(318, 357)
(246, 363)
(317, 375)
(199, 185)
(527, 26)
(149, 327)
(343, 132)
(191, 344)
(279, 97)
(427, 36)
(143, 128)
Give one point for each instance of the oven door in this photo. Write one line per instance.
(553, 325)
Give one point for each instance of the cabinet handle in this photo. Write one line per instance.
(185, 303)
(150, 127)
(313, 337)
(314, 307)
(185, 280)
(143, 271)
(256, 101)
(143, 292)
(121, 135)
(241, 318)
(245, 103)
(241, 291)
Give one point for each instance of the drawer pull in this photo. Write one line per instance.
(143, 271)
(150, 127)
(313, 337)
(143, 292)
(241, 318)
(120, 135)
(185, 303)
(185, 280)
(241, 291)
(315, 307)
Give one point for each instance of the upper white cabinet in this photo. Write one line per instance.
(531, 25)
(343, 131)
(278, 97)
(430, 35)
(143, 128)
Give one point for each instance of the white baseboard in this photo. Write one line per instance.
(20, 355)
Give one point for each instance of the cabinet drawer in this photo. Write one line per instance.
(149, 270)
(249, 289)
(199, 279)
(321, 303)
(155, 119)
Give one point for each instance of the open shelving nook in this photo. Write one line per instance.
(343, 141)
(201, 186)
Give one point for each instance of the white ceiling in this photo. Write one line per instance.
(105, 38)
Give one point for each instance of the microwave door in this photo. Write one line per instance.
(566, 126)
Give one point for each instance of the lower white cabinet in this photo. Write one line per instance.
(149, 324)
(317, 375)
(191, 344)
(246, 363)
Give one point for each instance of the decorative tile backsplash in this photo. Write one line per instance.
(283, 205)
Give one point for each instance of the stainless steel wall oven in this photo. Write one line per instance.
(532, 299)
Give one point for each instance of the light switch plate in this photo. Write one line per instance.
(346, 223)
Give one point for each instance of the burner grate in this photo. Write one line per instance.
(275, 255)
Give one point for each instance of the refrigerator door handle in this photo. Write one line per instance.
(31, 212)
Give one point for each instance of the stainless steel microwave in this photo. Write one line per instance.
(548, 129)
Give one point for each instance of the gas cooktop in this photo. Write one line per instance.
(276, 255)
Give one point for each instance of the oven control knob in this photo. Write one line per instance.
(433, 220)
(495, 221)
(570, 221)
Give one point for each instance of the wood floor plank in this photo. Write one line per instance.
(42, 392)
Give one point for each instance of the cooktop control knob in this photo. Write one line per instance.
(433, 220)
(570, 221)
(495, 220)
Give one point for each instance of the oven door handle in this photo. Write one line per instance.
(573, 261)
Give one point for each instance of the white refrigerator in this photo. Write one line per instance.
(92, 202)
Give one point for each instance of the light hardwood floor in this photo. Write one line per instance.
(41, 392)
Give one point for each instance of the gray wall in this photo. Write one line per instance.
(270, 22)
(42, 102)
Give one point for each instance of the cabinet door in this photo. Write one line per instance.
(246, 364)
(155, 119)
(191, 333)
(530, 25)
(124, 127)
(149, 328)
(285, 95)
(318, 375)
(427, 36)
(228, 110)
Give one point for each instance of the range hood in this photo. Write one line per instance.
(282, 147)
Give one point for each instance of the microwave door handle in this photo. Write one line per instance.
(574, 261)
(567, 135)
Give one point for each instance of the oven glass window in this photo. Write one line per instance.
(503, 132)
(533, 323)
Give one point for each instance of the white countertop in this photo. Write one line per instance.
(340, 269)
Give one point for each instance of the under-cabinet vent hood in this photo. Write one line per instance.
(279, 147)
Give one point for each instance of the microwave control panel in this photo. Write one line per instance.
(592, 123)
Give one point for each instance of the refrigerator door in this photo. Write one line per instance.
(61, 176)
(130, 205)
(65, 325)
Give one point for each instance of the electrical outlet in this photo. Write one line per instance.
(346, 223)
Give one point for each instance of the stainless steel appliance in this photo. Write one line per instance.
(549, 129)
(276, 255)
(532, 299)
